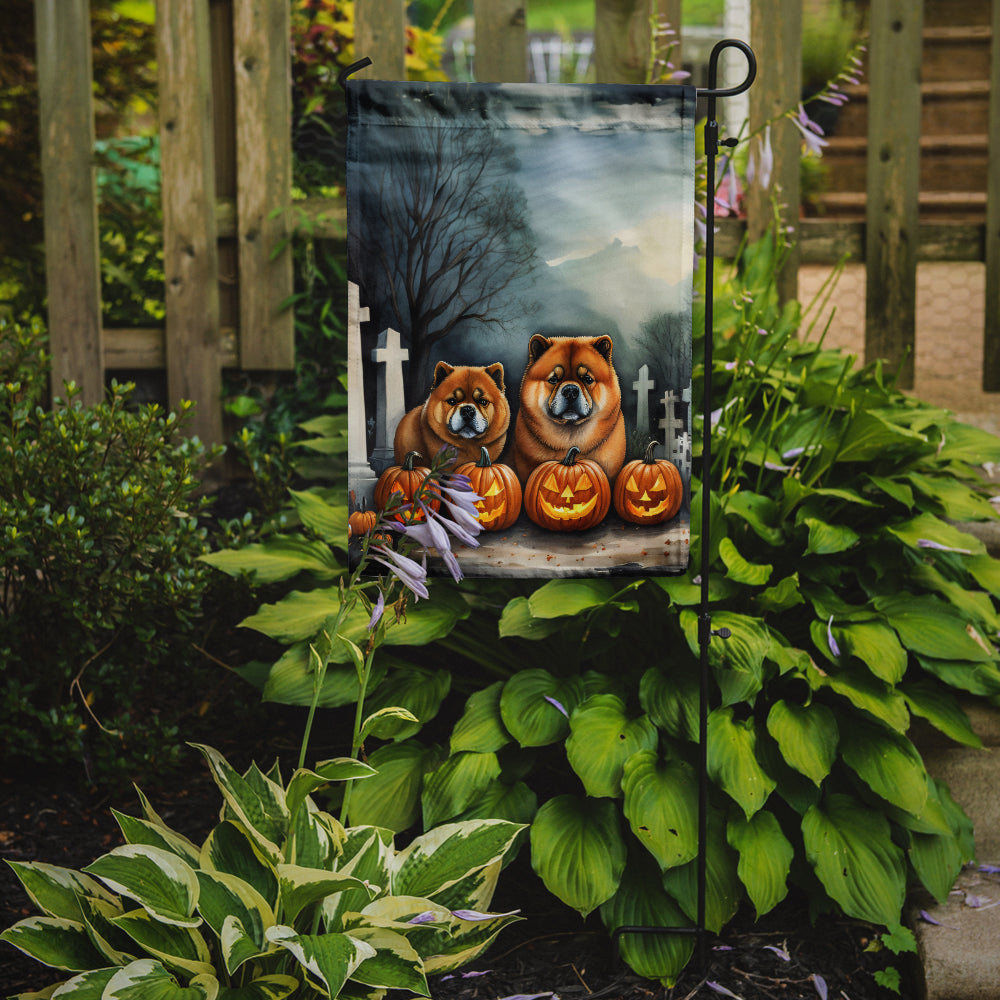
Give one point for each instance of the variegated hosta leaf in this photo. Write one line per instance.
(304, 782)
(301, 887)
(888, 763)
(732, 760)
(86, 986)
(456, 784)
(850, 847)
(602, 737)
(765, 858)
(328, 959)
(418, 691)
(481, 727)
(661, 805)
(177, 947)
(274, 987)
(225, 897)
(230, 849)
(535, 706)
(578, 851)
(141, 831)
(99, 915)
(441, 857)
(642, 902)
(315, 838)
(56, 891)
(391, 799)
(807, 736)
(158, 880)
(367, 853)
(55, 941)
(395, 964)
(468, 939)
(147, 979)
(256, 801)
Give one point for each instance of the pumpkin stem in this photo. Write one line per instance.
(570, 458)
(411, 457)
(484, 458)
(649, 460)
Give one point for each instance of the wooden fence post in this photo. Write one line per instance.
(776, 34)
(893, 183)
(501, 41)
(621, 40)
(72, 255)
(261, 57)
(380, 34)
(190, 251)
(991, 332)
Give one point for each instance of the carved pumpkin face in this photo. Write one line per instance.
(500, 491)
(570, 495)
(648, 491)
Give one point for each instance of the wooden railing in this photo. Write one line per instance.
(226, 160)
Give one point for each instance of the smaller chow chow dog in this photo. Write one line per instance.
(467, 408)
(569, 396)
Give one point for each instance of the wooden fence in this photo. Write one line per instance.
(226, 160)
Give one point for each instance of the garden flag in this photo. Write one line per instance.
(520, 277)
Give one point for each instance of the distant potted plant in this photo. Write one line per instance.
(830, 32)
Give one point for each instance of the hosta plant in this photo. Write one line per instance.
(279, 900)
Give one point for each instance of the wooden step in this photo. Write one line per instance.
(956, 53)
(957, 206)
(939, 13)
(946, 104)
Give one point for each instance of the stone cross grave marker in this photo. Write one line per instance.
(359, 472)
(390, 405)
(643, 385)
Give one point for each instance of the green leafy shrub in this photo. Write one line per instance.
(280, 899)
(101, 584)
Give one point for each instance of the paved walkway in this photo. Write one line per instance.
(949, 350)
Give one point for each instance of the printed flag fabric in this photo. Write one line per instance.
(520, 276)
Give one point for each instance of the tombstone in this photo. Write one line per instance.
(359, 471)
(672, 423)
(643, 386)
(390, 401)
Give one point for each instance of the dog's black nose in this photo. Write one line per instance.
(468, 411)
(570, 392)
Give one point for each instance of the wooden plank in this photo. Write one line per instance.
(776, 35)
(669, 13)
(144, 348)
(380, 34)
(621, 40)
(991, 332)
(262, 61)
(72, 256)
(893, 184)
(501, 41)
(190, 253)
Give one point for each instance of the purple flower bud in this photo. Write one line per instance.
(830, 641)
(820, 983)
(552, 701)
(377, 611)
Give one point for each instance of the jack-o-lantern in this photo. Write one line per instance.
(648, 490)
(404, 480)
(500, 491)
(570, 495)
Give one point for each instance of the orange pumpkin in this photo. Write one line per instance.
(405, 480)
(361, 521)
(648, 490)
(499, 488)
(570, 495)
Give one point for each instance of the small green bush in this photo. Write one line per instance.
(99, 578)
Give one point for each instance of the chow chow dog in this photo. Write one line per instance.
(467, 408)
(569, 396)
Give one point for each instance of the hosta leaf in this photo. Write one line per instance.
(661, 800)
(418, 691)
(141, 831)
(330, 959)
(292, 681)
(928, 528)
(828, 539)
(850, 848)
(876, 646)
(641, 901)
(327, 520)
(807, 736)
(931, 628)
(937, 860)
(958, 502)
(739, 569)
(870, 436)
(765, 858)
(941, 709)
(395, 964)
(888, 763)
(578, 851)
(530, 706)
(559, 598)
(732, 760)
(976, 678)
(738, 661)
(758, 511)
(456, 784)
(180, 948)
(441, 857)
(366, 855)
(866, 692)
(602, 738)
(279, 558)
(723, 889)
(54, 941)
(785, 594)
(225, 897)
(671, 700)
(159, 881)
(274, 987)
(304, 782)
(391, 798)
(230, 849)
(517, 620)
(56, 891)
(985, 569)
(481, 728)
(86, 986)
(301, 887)
(516, 803)
(147, 979)
(466, 941)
